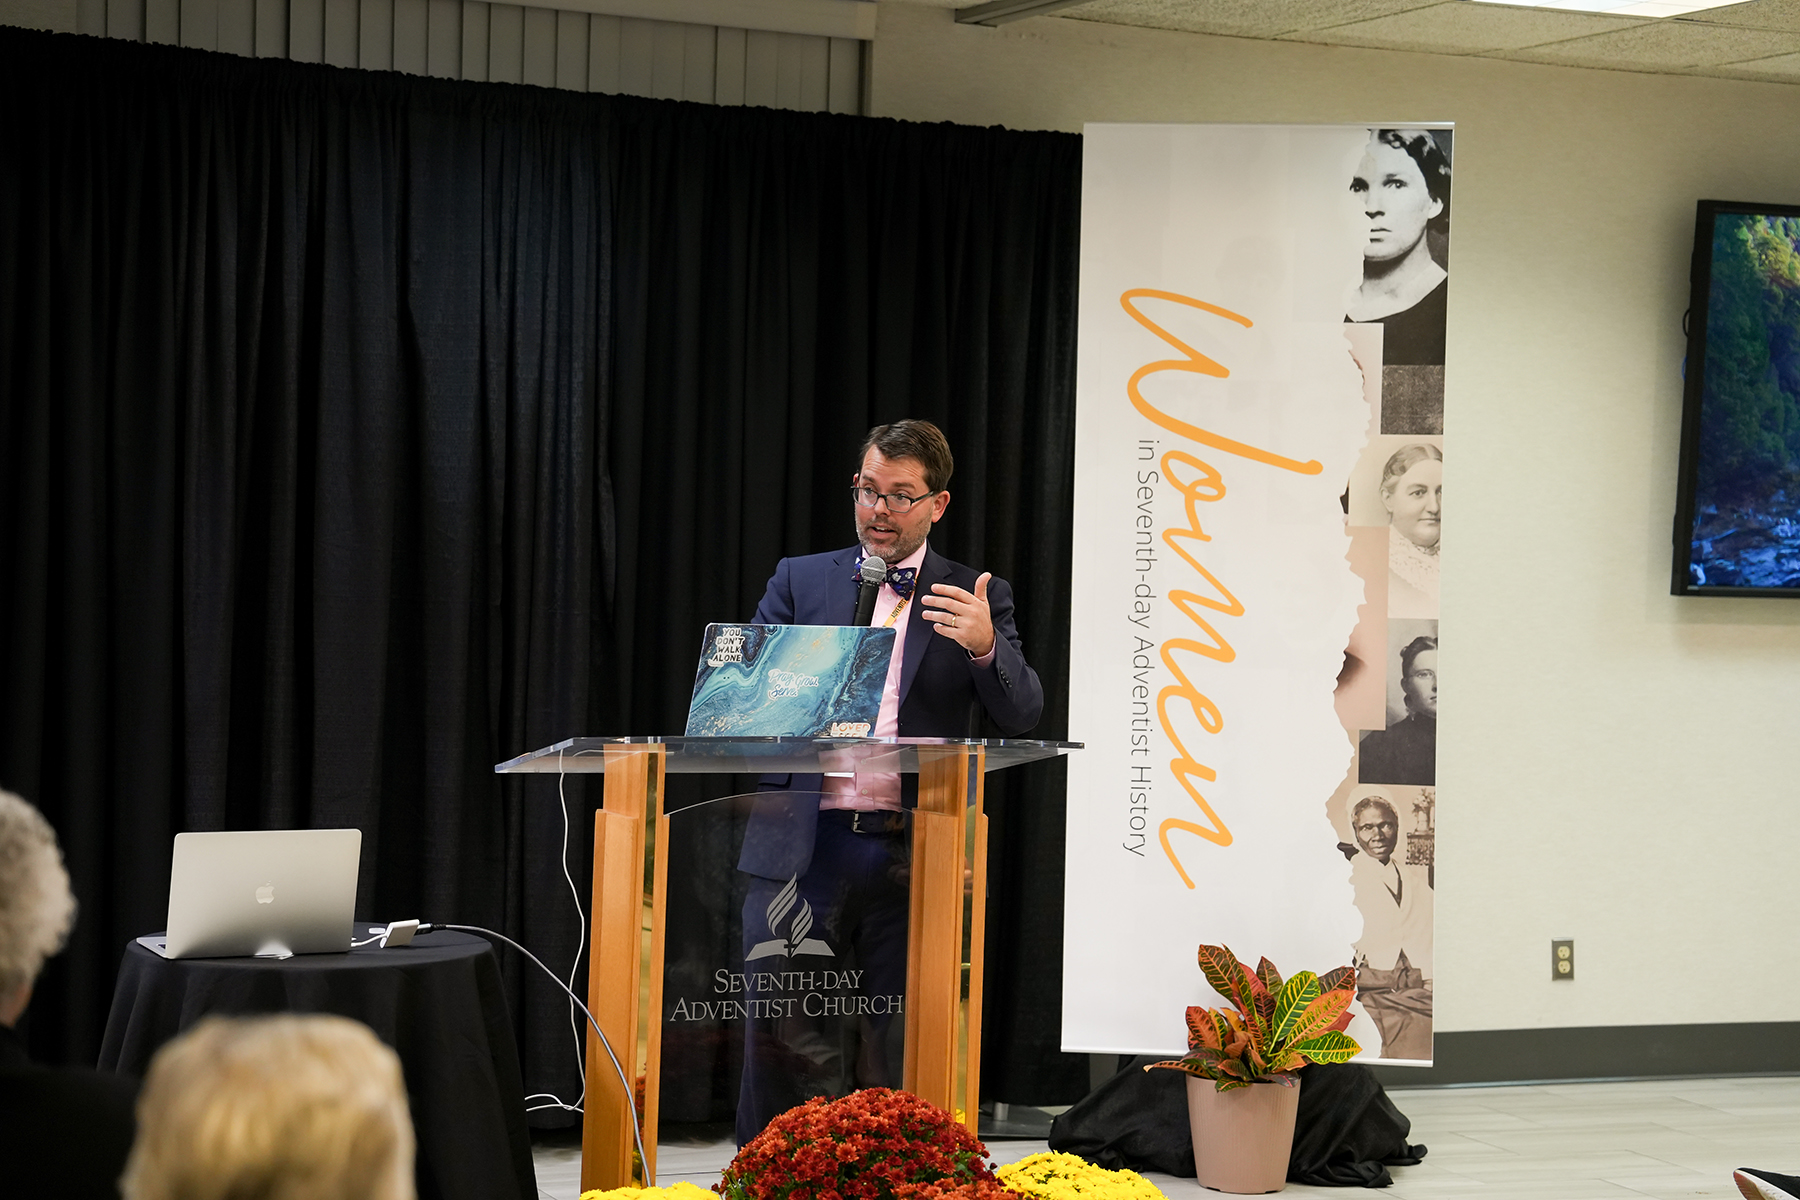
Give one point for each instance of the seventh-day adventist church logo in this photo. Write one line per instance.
(787, 903)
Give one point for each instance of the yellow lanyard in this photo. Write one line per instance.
(889, 623)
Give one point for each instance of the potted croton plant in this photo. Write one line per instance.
(1243, 1124)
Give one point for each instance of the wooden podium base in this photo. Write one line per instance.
(947, 912)
(944, 951)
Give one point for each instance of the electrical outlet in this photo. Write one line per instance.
(1562, 958)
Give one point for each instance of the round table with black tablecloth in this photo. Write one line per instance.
(437, 1002)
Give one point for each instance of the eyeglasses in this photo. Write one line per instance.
(868, 497)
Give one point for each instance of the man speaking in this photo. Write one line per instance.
(836, 847)
(956, 650)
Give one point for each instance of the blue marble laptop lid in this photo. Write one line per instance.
(789, 681)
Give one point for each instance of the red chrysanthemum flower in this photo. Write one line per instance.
(979, 1189)
(876, 1144)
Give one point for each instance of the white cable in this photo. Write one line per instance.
(580, 937)
(637, 1131)
(379, 933)
(555, 1101)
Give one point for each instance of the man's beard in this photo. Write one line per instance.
(900, 551)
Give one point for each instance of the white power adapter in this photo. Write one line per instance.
(399, 933)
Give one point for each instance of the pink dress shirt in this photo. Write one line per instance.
(870, 791)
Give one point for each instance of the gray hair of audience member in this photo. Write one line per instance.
(273, 1108)
(37, 909)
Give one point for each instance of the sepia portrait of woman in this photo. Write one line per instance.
(1403, 187)
(1393, 956)
(1412, 491)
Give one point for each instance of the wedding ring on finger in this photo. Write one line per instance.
(953, 620)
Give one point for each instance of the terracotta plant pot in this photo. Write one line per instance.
(1242, 1138)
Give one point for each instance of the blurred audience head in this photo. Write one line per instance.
(37, 908)
(273, 1108)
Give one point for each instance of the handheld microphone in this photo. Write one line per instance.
(874, 574)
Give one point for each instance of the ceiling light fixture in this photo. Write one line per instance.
(1004, 12)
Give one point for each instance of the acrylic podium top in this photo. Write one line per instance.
(783, 755)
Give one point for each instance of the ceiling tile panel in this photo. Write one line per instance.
(1755, 40)
(1239, 18)
(1763, 14)
(1664, 46)
(1459, 27)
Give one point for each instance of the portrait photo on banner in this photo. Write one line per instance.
(1401, 191)
(1398, 484)
(1404, 748)
(1388, 834)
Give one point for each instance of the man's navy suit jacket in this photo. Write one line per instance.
(942, 692)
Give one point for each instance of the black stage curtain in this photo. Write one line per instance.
(360, 431)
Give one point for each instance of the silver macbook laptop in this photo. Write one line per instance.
(267, 893)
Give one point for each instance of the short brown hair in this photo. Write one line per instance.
(289, 1107)
(920, 440)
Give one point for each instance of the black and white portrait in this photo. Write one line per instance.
(1398, 483)
(1391, 874)
(1401, 188)
(1412, 493)
(1406, 751)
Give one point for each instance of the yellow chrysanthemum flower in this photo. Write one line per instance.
(675, 1191)
(1053, 1176)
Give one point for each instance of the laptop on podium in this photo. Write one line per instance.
(789, 681)
(267, 893)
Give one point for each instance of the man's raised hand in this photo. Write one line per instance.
(963, 616)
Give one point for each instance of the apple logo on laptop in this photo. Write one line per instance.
(265, 894)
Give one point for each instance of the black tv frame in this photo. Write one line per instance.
(1693, 388)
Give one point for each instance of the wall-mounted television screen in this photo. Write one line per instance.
(1737, 517)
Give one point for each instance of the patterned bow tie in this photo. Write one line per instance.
(898, 578)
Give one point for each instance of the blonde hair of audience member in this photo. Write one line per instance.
(273, 1108)
(37, 909)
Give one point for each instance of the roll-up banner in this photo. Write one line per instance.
(1258, 509)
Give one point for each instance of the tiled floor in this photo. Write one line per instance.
(1668, 1139)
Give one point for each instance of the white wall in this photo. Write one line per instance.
(57, 16)
(1616, 765)
(491, 42)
